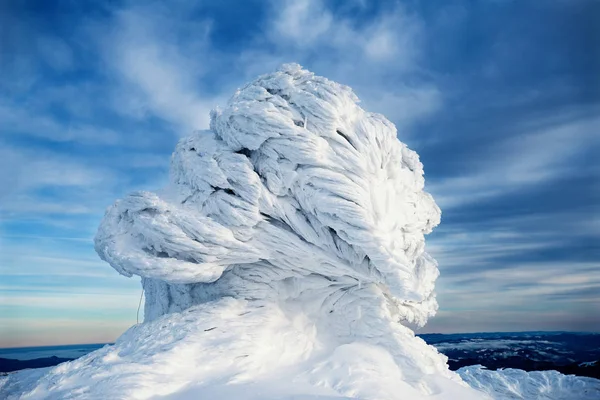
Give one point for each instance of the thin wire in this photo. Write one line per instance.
(137, 317)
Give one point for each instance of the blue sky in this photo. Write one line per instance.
(500, 98)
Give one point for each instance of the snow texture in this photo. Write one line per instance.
(296, 192)
(516, 384)
(285, 260)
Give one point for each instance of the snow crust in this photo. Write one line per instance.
(516, 384)
(285, 260)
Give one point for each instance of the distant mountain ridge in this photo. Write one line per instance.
(9, 365)
(575, 353)
(14, 359)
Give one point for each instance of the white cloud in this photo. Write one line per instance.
(39, 263)
(406, 105)
(380, 58)
(159, 71)
(71, 301)
(19, 120)
(513, 320)
(23, 172)
(310, 25)
(302, 21)
(154, 62)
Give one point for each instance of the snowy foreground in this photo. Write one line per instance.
(285, 260)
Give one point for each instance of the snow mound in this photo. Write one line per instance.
(244, 350)
(516, 384)
(285, 260)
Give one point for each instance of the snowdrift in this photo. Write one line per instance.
(516, 384)
(285, 260)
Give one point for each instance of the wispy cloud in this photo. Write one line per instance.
(540, 151)
(158, 56)
(71, 301)
(501, 320)
(21, 120)
(378, 58)
(27, 331)
(310, 25)
(29, 175)
(505, 121)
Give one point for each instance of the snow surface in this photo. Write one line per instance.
(513, 384)
(285, 260)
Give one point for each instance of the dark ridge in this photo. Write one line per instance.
(9, 365)
(153, 252)
(347, 138)
(276, 92)
(149, 210)
(565, 352)
(245, 152)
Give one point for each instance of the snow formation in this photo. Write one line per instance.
(516, 384)
(284, 260)
(296, 193)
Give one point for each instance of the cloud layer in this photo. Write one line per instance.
(504, 114)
